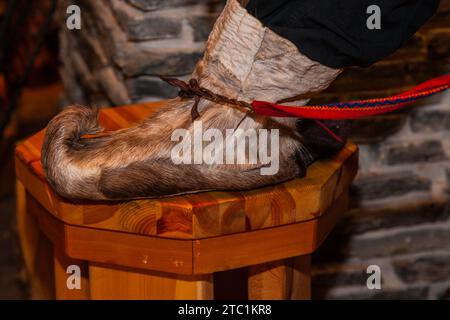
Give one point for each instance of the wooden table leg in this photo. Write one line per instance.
(301, 278)
(37, 250)
(288, 279)
(111, 282)
(71, 277)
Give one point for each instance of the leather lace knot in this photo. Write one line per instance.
(192, 90)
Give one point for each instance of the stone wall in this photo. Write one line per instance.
(124, 45)
(400, 216)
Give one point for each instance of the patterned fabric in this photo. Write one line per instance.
(355, 109)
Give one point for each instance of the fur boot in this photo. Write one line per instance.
(243, 60)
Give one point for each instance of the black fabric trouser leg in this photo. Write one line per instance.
(335, 32)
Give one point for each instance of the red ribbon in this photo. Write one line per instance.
(348, 110)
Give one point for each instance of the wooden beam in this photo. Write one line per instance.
(112, 282)
(131, 250)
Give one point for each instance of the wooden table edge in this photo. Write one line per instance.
(72, 240)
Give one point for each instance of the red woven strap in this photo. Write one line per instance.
(354, 109)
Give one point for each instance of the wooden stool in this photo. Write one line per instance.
(170, 248)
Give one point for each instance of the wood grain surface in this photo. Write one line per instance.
(176, 256)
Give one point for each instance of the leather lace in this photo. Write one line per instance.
(193, 90)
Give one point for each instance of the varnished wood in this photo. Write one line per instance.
(198, 215)
(37, 250)
(202, 256)
(269, 281)
(270, 244)
(131, 250)
(287, 279)
(53, 229)
(301, 278)
(27, 227)
(109, 282)
(42, 282)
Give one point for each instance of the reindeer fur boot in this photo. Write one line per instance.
(244, 61)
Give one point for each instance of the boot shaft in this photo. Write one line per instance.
(245, 60)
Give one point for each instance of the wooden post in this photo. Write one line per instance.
(110, 282)
(301, 278)
(27, 227)
(37, 250)
(288, 279)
